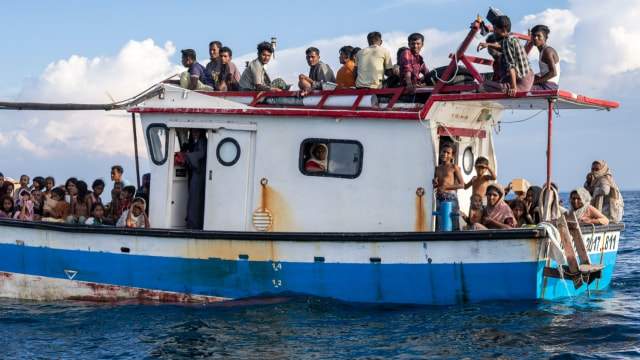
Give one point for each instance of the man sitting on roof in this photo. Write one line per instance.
(319, 72)
(372, 63)
(515, 64)
(197, 77)
(215, 64)
(229, 74)
(411, 64)
(254, 77)
(344, 77)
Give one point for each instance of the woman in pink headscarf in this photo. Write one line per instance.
(600, 182)
(498, 214)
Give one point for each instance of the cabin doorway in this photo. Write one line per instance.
(228, 183)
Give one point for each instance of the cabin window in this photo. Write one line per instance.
(157, 135)
(228, 151)
(331, 157)
(467, 160)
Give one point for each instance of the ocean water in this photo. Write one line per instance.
(606, 325)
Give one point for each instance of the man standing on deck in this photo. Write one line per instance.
(214, 67)
(515, 63)
(318, 72)
(116, 175)
(372, 63)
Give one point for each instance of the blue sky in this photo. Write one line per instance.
(86, 51)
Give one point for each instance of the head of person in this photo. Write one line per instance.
(319, 151)
(116, 173)
(374, 38)
(72, 186)
(476, 201)
(10, 189)
(313, 56)
(494, 194)
(598, 166)
(128, 191)
(49, 182)
(98, 187)
(1, 179)
(481, 164)
(57, 193)
(518, 208)
(188, 57)
(197, 133)
(416, 42)
(400, 51)
(38, 182)
(37, 195)
(225, 55)
(446, 153)
(7, 204)
(83, 189)
(117, 188)
(265, 50)
(137, 207)
(345, 54)
(579, 198)
(24, 180)
(97, 210)
(502, 26)
(539, 35)
(354, 53)
(214, 49)
(25, 194)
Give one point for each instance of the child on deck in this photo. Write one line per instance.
(97, 213)
(127, 198)
(24, 185)
(49, 183)
(447, 180)
(475, 211)
(61, 209)
(480, 182)
(80, 204)
(6, 209)
(112, 208)
(519, 209)
(24, 209)
(37, 184)
(135, 216)
(98, 188)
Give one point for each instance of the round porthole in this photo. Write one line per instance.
(228, 151)
(467, 160)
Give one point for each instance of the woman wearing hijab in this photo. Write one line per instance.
(555, 210)
(582, 210)
(497, 214)
(600, 182)
(318, 160)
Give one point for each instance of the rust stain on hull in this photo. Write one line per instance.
(277, 204)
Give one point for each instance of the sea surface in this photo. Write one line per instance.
(605, 326)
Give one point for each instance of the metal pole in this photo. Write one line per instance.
(550, 127)
(135, 147)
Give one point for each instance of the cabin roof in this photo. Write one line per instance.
(175, 100)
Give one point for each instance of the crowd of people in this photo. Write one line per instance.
(598, 202)
(372, 67)
(41, 199)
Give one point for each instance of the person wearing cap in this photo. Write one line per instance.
(196, 77)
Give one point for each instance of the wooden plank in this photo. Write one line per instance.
(574, 267)
(578, 241)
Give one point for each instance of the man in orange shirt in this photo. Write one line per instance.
(345, 78)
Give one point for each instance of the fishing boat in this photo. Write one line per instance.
(363, 230)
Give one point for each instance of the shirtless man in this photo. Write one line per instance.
(448, 179)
